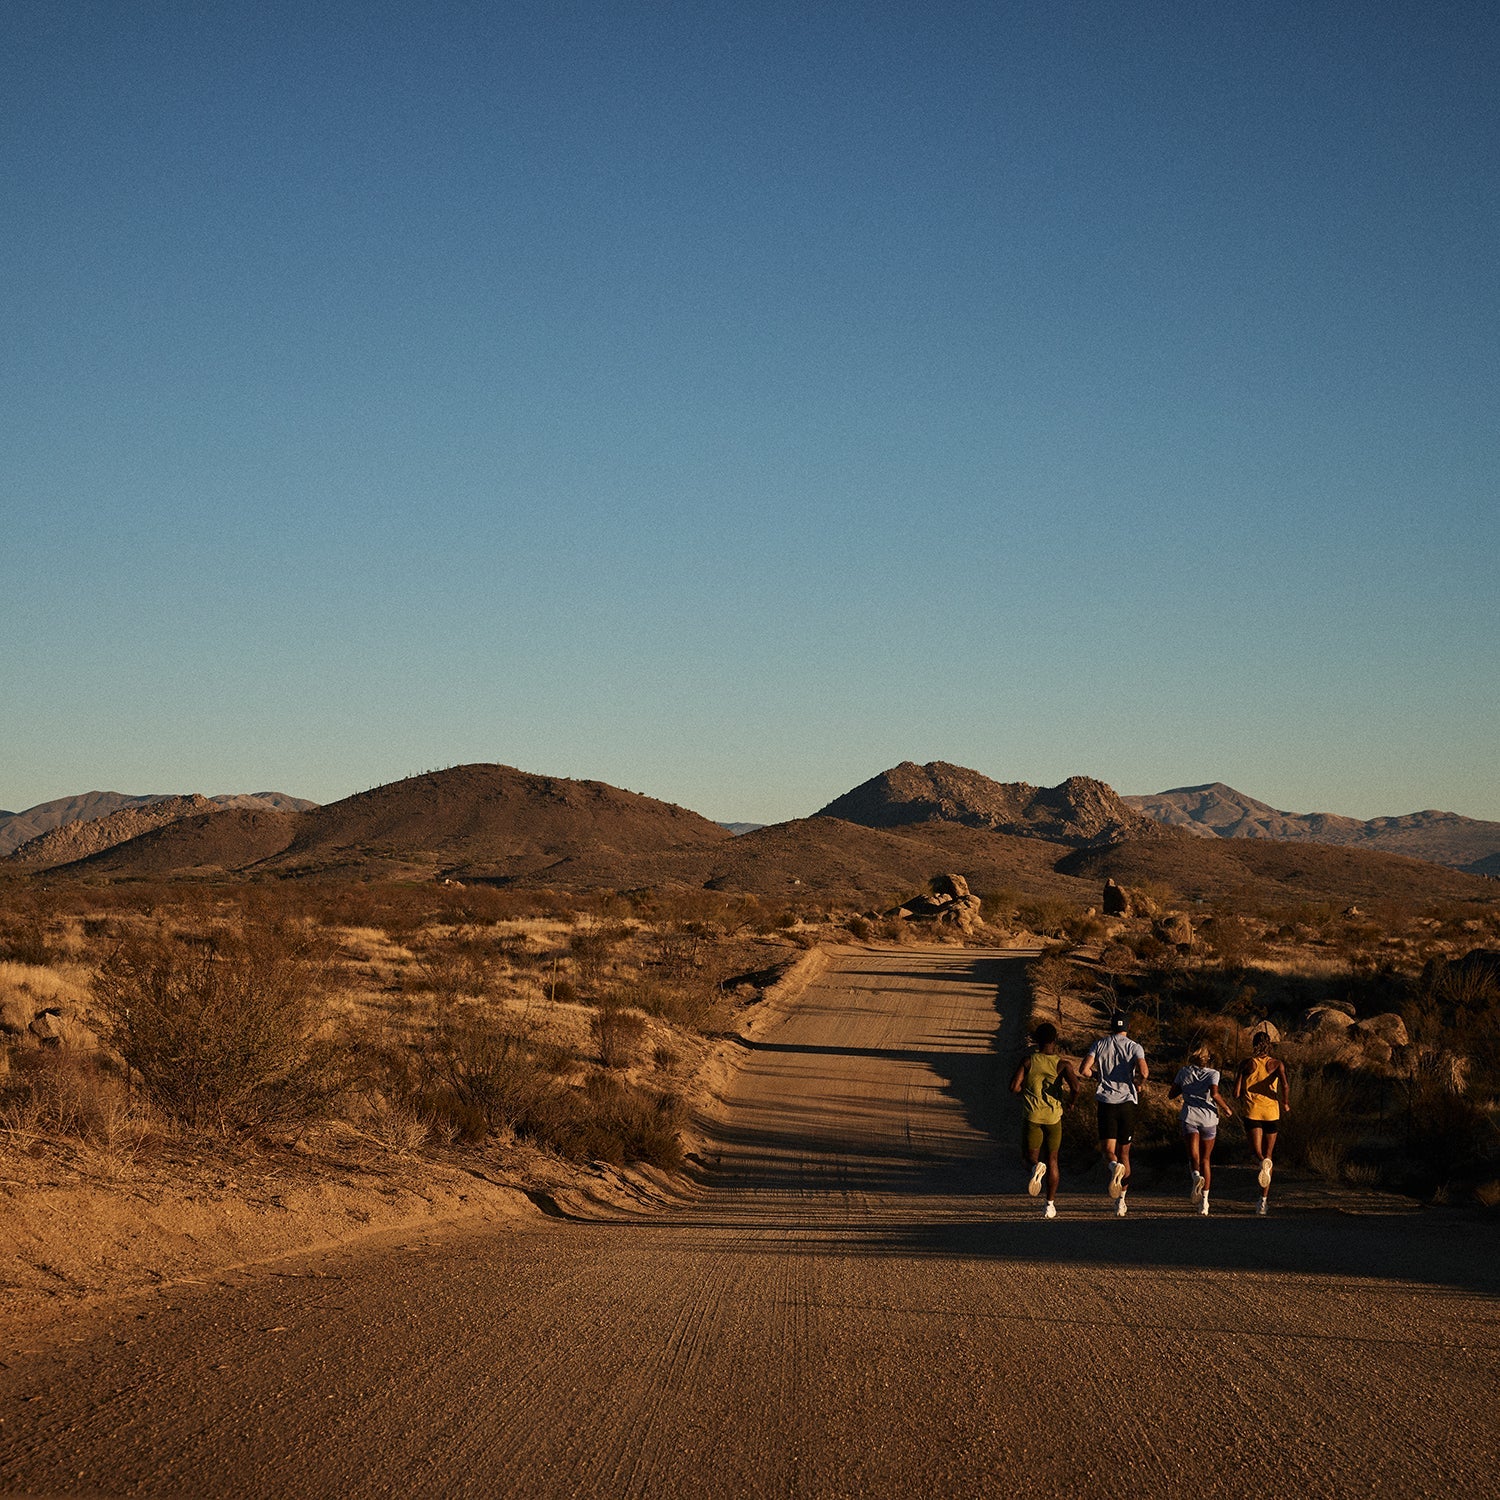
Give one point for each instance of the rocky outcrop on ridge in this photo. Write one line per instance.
(1079, 812)
(79, 840)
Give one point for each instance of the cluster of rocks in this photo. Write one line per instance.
(1121, 902)
(1375, 1040)
(951, 903)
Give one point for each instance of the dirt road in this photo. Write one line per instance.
(862, 1302)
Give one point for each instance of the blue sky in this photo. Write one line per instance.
(728, 402)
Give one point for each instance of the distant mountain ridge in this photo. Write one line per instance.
(494, 824)
(1219, 811)
(1076, 812)
(20, 828)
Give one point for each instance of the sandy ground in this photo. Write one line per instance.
(860, 1301)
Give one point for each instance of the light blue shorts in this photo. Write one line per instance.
(1205, 1127)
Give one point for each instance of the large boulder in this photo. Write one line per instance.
(1326, 1019)
(1116, 899)
(954, 886)
(1388, 1028)
(1177, 929)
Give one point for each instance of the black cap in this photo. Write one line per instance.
(1119, 1021)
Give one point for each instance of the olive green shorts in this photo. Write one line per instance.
(1034, 1137)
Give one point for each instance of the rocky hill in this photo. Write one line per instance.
(20, 828)
(1081, 811)
(1218, 811)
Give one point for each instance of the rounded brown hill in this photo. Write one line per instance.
(495, 822)
(1079, 811)
(482, 822)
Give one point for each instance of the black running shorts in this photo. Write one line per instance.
(1117, 1122)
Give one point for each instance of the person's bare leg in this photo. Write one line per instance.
(1053, 1177)
(1124, 1158)
(1194, 1150)
(1205, 1159)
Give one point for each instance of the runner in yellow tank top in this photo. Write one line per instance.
(1040, 1081)
(1262, 1085)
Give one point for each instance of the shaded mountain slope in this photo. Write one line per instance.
(829, 856)
(211, 843)
(1269, 870)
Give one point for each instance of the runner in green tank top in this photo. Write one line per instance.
(1041, 1081)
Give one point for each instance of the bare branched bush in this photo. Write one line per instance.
(222, 1031)
(618, 1034)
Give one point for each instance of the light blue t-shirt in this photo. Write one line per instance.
(1196, 1085)
(1114, 1061)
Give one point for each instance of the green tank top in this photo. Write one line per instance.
(1041, 1089)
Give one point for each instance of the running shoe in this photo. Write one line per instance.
(1260, 1207)
(1050, 1212)
(1038, 1172)
(1203, 1205)
(1117, 1179)
(1120, 1207)
(1197, 1192)
(1265, 1173)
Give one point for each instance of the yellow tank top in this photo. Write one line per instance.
(1262, 1090)
(1041, 1091)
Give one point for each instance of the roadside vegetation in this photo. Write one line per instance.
(396, 1021)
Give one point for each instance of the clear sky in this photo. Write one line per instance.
(730, 401)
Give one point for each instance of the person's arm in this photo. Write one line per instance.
(1087, 1070)
(1175, 1092)
(1070, 1077)
(1222, 1104)
(1019, 1080)
(1239, 1082)
(1286, 1102)
(1142, 1072)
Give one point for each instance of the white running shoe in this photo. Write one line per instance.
(1034, 1187)
(1265, 1173)
(1260, 1207)
(1197, 1192)
(1050, 1212)
(1120, 1207)
(1117, 1179)
(1203, 1205)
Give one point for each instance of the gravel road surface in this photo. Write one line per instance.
(861, 1301)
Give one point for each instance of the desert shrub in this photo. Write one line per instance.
(678, 950)
(1049, 915)
(590, 949)
(689, 1003)
(1321, 1126)
(26, 939)
(617, 1033)
(615, 1123)
(222, 1030)
(487, 1074)
(52, 1092)
(859, 928)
